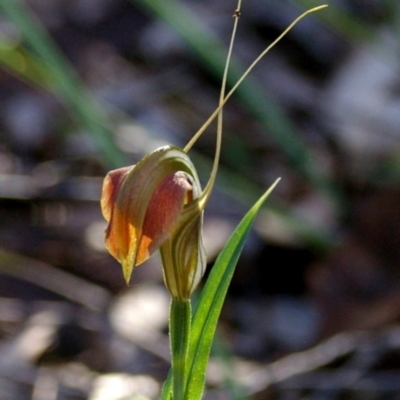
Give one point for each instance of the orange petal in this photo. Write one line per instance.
(111, 185)
(143, 203)
(117, 237)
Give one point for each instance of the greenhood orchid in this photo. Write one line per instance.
(158, 203)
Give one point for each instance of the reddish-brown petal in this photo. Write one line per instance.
(163, 211)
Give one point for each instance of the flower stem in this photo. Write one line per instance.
(179, 325)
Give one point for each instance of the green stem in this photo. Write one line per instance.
(179, 325)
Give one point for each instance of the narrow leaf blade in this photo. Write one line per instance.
(208, 310)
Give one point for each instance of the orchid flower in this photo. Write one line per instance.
(158, 203)
(153, 205)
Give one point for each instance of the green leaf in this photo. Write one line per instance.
(166, 393)
(208, 310)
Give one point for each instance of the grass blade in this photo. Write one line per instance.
(64, 80)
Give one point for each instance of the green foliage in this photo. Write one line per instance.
(209, 307)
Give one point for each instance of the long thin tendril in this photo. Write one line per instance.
(214, 170)
(223, 100)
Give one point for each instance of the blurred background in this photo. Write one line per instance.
(88, 86)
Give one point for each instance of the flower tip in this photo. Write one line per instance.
(127, 271)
